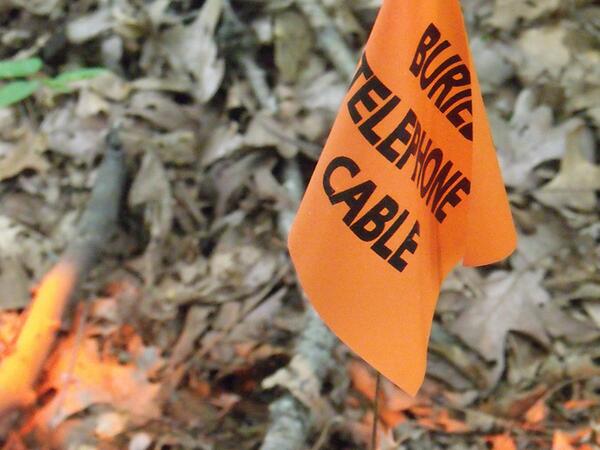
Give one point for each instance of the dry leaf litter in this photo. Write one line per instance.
(187, 330)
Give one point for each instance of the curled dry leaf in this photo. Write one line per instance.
(192, 52)
(298, 377)
(502, 442)
(26, 248)
(508, 12)
(561, 441)
(178, 147)
(577, 181)
(257, 321)
(536, 60)
(26, 153)
(196, 323)
(14, 283)
(90, 25)
(152, 189)
(530, 139)
(8, 123)
(231, 176)
(90, 104)
(224, 140)
(39, 7)
(109, 86)
(74, 136)
(243, 269)
(492, 63)
(158, 109)
(509, 303)
(293, 41)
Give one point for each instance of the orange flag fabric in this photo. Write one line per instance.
(407, 186)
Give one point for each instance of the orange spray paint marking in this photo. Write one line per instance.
(20, 369)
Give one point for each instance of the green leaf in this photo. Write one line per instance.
(16, 91)
(56, 86)
(79, 74)
(19, 67)
(61, 82)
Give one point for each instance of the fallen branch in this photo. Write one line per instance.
(21, 368)
(291, 420)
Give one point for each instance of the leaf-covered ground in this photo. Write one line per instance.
(194, 308)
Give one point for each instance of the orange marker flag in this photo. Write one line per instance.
(407, 186)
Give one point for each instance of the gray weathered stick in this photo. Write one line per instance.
(99, 220)
(291, 421)
(21, 368)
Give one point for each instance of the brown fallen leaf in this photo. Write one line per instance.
(501, 442)
(576, 183)
(14, 283)
(293, 42)
(90, 25)
(77, 137)
(509, 303)
(362, 379)
(573, 405)
(561, 441)
(152, 189)
(231, 176)
(159, 110)
(81, 377)
(536, 61)
(507, 13)
(24, 154)
(192, 52)
(538, 412)
(533, 138)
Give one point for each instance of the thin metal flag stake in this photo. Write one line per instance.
(375, 411)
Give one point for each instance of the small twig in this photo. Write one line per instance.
(337, 420)
(376, 411)
(311, 150)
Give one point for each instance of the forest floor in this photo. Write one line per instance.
(182, 335)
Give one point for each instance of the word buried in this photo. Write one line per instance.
(451, 76)
(438, 179)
